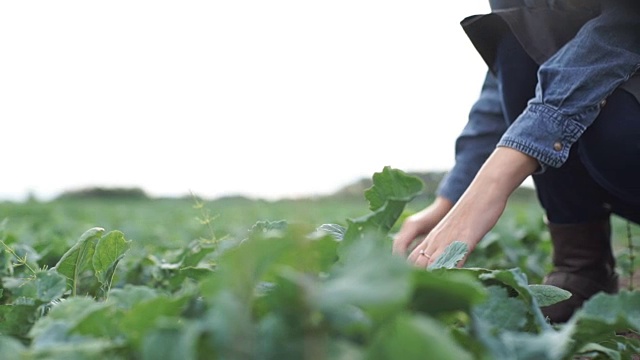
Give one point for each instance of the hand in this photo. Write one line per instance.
(420, 224)
(479, 208)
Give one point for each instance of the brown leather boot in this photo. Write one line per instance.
(583, 265)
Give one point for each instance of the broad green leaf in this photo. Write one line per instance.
(173, 341)
(621, 309)
(415, 337)
(618, 346)
(233, 333)
(16, 320)
(443, 291)
(604, 315)
(195, 273)
(500, 312)
(391, 191)
(517, 280)
(548, 294)
(143, 316)
(130, 295)
(368, 275)
(20, 287)
(78, 258)
(85, 349)
(195, 251)
(280, 329)
(451, 256)
(68, 313)
(304, 314)
(102, 323)
(392, 184)
(242, 268)
(593, 348)
(49, 285)
(344, 350)
(108, 252)
(548, 345)
(306, 251)
(380, 221)
(11, 348)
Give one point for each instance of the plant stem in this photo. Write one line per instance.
(21, 261)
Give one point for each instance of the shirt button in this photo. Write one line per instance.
(603, 102)
(557, 146)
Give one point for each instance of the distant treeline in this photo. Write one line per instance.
(104, 193)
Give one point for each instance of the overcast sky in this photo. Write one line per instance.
(262, 98)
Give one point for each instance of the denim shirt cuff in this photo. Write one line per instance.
(451, 189)
(546, 134)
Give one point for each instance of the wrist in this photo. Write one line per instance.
(504, 171)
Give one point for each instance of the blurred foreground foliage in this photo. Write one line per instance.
(241, 279)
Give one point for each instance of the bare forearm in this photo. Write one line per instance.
(480, 206)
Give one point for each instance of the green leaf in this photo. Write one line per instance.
(108, 252)
(231, 325)
(451, 256)
(592, 348)
(614, 309)
(173, 341)
(501, 312)
(11, 348)
(517, 280)
(605, 314)
(65, 314)
(16, 320)
(380, 221)
(548, 294)
(129, 295)
(240, 269)
(444, 291)
(391, 191)
(548, 345)
(392, 184)
(77, 259)
(78, 350)
(368, 276)
(143, 316)
(415, 337)
(49, 285)
(281, 328)
(195, 251)
(104, 322)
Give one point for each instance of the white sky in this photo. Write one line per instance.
(263, 98)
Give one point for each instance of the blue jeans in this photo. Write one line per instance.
(602, 173)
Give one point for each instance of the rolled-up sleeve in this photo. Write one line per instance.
(478, 139)
(574, 83)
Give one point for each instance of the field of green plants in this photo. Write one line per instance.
(292, 279)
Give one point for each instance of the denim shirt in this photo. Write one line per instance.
(573, 85)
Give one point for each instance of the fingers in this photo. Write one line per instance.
(403, 240)
(434, 246)
(420, 224)
(421, 257)
(425, 255)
